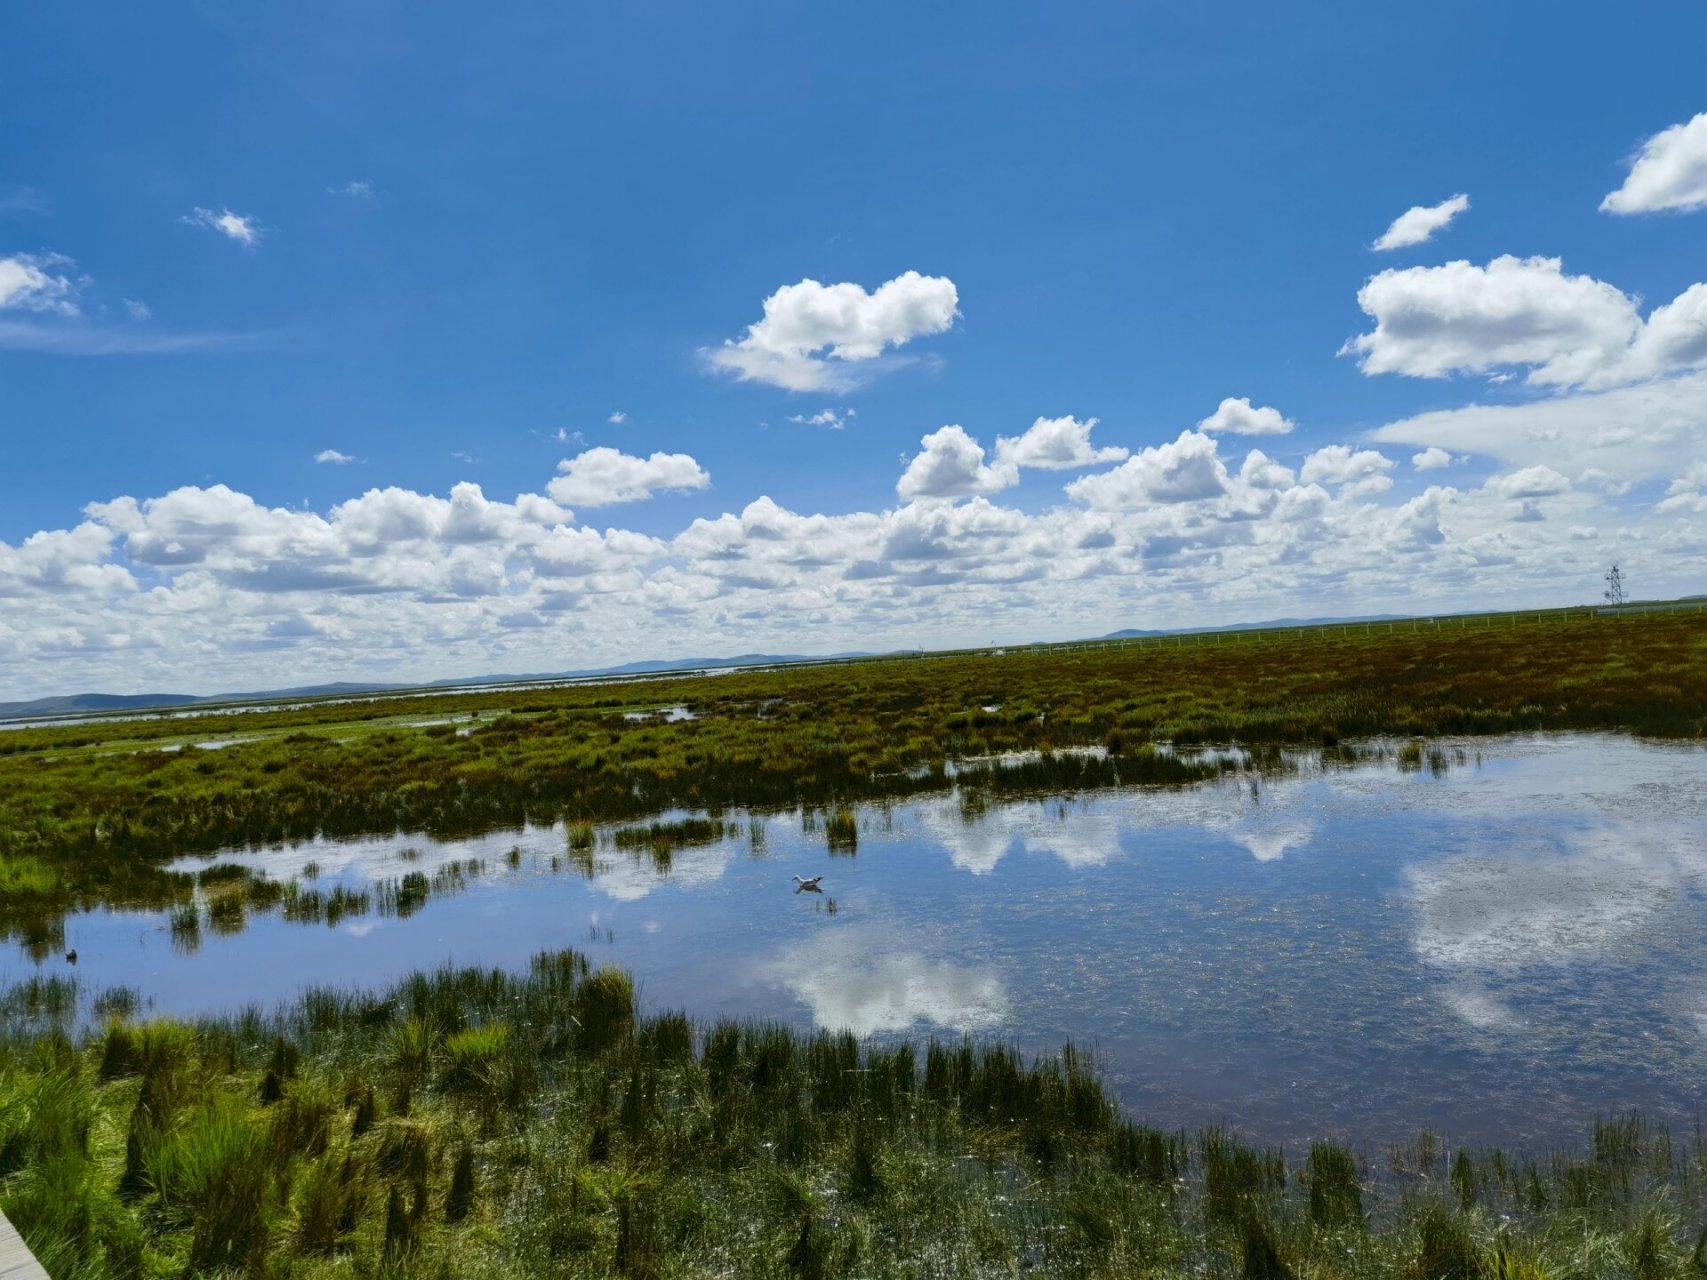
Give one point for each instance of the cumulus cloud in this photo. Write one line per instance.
(240, 227)
(1055, 444)
(603, 476)
(814, 336)
(1188, 469)
(1568, 331)
(1461, 318)
(1237, 417)
(1674, 337)
(1259, 471)
(1354, 471)
(1531, 482)
(1668, 173)
(1418, 224)
(617, 418)
(835, 419)
(333, 456)
(61, 560)
(950, 464)
(30, 283)
(419, 585)
(1432, 458)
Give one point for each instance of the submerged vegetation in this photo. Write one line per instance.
(472, 1123)
(90, 812)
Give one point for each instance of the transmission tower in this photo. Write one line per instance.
(1614, 587)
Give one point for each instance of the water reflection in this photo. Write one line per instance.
(1269, 843)
(851, 983)
(629, 878)
(978, 838)
(1504, 946)
(1582, 895)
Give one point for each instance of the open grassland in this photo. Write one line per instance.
(473, 1124)
(89, 812)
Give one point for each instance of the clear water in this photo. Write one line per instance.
(1501, 950)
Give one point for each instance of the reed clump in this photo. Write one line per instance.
(474, 1122)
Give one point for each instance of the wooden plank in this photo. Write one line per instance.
(16, 1260)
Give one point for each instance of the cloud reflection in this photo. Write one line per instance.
(1087, 836)
(628, 878)
(849, 988)
(1269, 843)
(1481, 1010)
(1506, 913)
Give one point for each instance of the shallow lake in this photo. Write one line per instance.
(1502, 946)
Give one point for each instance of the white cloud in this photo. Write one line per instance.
(1185, 470)
(1674, 337)
(332, 455)
(1525, 312)
(602, 476)
(1259, 471)
(360, 189)
(835, 419)
(137, 310)
(617, 418)
(1624, 436)
(63, 560)
(28, 283)
(1531, 482)
(843, 322)
(1418, 224)
(951, 465)
(1237, 417)
(1432, 458)
(417, 585)
(1668, 173)
(1461, 318)
(240, 227)
(1360, 471)
(1055, 444)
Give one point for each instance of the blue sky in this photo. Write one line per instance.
(463, 251)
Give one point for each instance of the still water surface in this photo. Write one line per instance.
(1502, 949)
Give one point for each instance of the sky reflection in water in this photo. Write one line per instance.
(1503, 950)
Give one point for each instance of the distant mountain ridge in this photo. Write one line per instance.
(85, 703)
(1271, 624)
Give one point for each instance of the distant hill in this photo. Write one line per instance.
(1259, 626)
(70, 704)
(95, 703)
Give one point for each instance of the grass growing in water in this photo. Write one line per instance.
(472, 1123)
(83, 823)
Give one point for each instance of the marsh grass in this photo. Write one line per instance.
(468, 1122)
(841, 831)
(84, 821)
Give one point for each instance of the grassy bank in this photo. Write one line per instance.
(87, 812)
(476, 1124)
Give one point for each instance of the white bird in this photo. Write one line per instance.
(808, 885)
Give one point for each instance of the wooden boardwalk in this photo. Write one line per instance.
(16, 1260)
